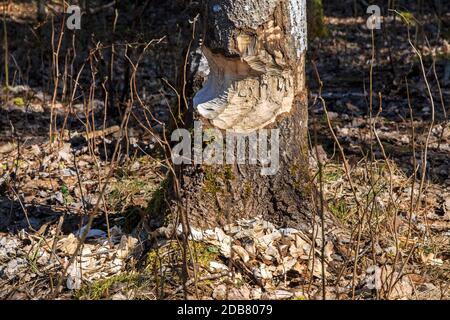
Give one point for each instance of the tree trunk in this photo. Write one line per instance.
(316, 23)
(41, 10)
(256, 85)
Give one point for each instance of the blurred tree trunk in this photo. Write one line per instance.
(41, 10)
(316, 23)
(256, 54)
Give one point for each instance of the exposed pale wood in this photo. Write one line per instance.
(253, 48)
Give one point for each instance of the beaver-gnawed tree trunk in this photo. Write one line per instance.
(256, 55)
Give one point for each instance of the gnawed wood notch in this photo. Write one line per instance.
(252, 47)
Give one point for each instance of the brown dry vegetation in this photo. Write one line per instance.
(81, 144)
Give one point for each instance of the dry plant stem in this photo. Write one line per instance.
(111, 61)
(80, 186)
(430, 130)
(134, 93)
(14, 187)
(184, 244)
(23, 209)
(92, 214)
(174, 117)
(391, 200)
(372, 61)
(68, 106)
(321, 210)
(130, 101)
(105, 115)
(90, 110)
(321, 198)
(402, 269)
(181, 212)
(311, 253)
(371, 158)
(188, 51)
(415, 167)
(373, 232)
(441, 97)
(348, 175)
(341, 150)
(64, 79)
(358, 204)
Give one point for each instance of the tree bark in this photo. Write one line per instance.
(256, 55)
(316, 23)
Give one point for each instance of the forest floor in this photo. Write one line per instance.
(392, 191)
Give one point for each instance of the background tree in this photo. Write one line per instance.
(316, 23)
